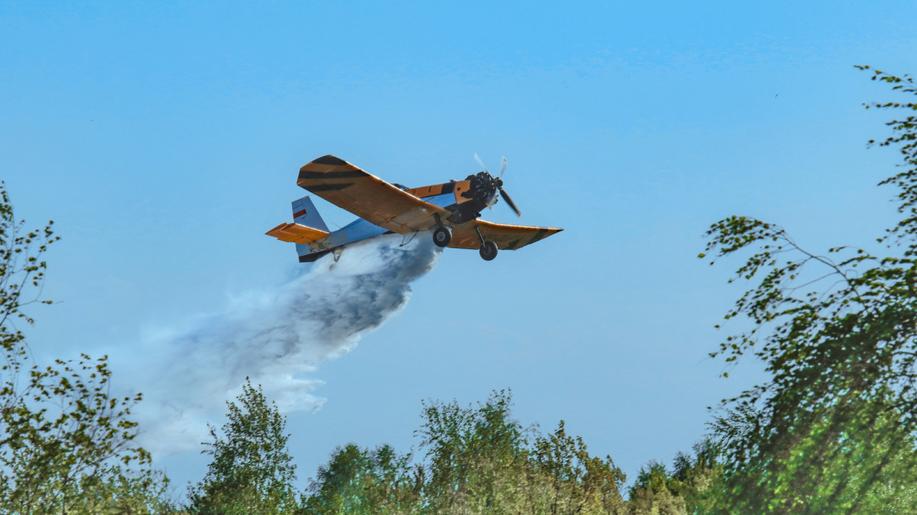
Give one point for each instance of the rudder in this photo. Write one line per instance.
(304, 213)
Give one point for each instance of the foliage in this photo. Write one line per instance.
(697, 478)
(833, 429)
(477, 460)
(358, 481)
(251, 470)
(651, 493)
(65, 442)
(578, 482)
(477, 457)
(691, 487)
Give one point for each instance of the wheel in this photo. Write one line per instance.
(442, 236)
(488, 250)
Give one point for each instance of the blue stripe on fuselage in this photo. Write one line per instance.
(353, 232)
(360, 229)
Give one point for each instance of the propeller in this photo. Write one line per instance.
(509, 201)
(498, 182)
(480, 162)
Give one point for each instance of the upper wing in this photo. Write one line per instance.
(367, 196)
(506, 236)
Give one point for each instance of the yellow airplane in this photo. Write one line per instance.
(451, 210)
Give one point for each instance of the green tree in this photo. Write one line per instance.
(697, 478)
(363, 482)
(251, 470)
(833, 430)
(693, 486)
(477, 459)
(579, 482)
(66, 443)
(651, 493)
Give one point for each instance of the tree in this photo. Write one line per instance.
(477, 459)
(651, 493)
(66, 444)
(579, 482)
(693, 486)
(481, 460)
(363, 482)
(833, 430)
(697, 478)
(251, 470)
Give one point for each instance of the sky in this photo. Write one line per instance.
(165, 138)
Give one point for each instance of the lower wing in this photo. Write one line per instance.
(506, 236)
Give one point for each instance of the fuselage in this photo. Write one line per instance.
(464, 199)
(360, 229)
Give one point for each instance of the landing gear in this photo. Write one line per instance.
(488, 250)
(442, 236)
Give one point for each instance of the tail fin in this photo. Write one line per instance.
(304, 213)
(307, 228)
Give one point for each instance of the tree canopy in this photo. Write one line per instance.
(476, 459)
(251, 469)
(66, 443)
(833, 428)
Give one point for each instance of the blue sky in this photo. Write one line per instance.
(164, 138)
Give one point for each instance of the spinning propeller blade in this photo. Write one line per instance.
(499, 183)
(509, 201)
(477, 158)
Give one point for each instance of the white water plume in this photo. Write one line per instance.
(276, 338)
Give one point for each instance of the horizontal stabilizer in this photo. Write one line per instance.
(297, 233)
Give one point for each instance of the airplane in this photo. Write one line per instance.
(451, 210)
